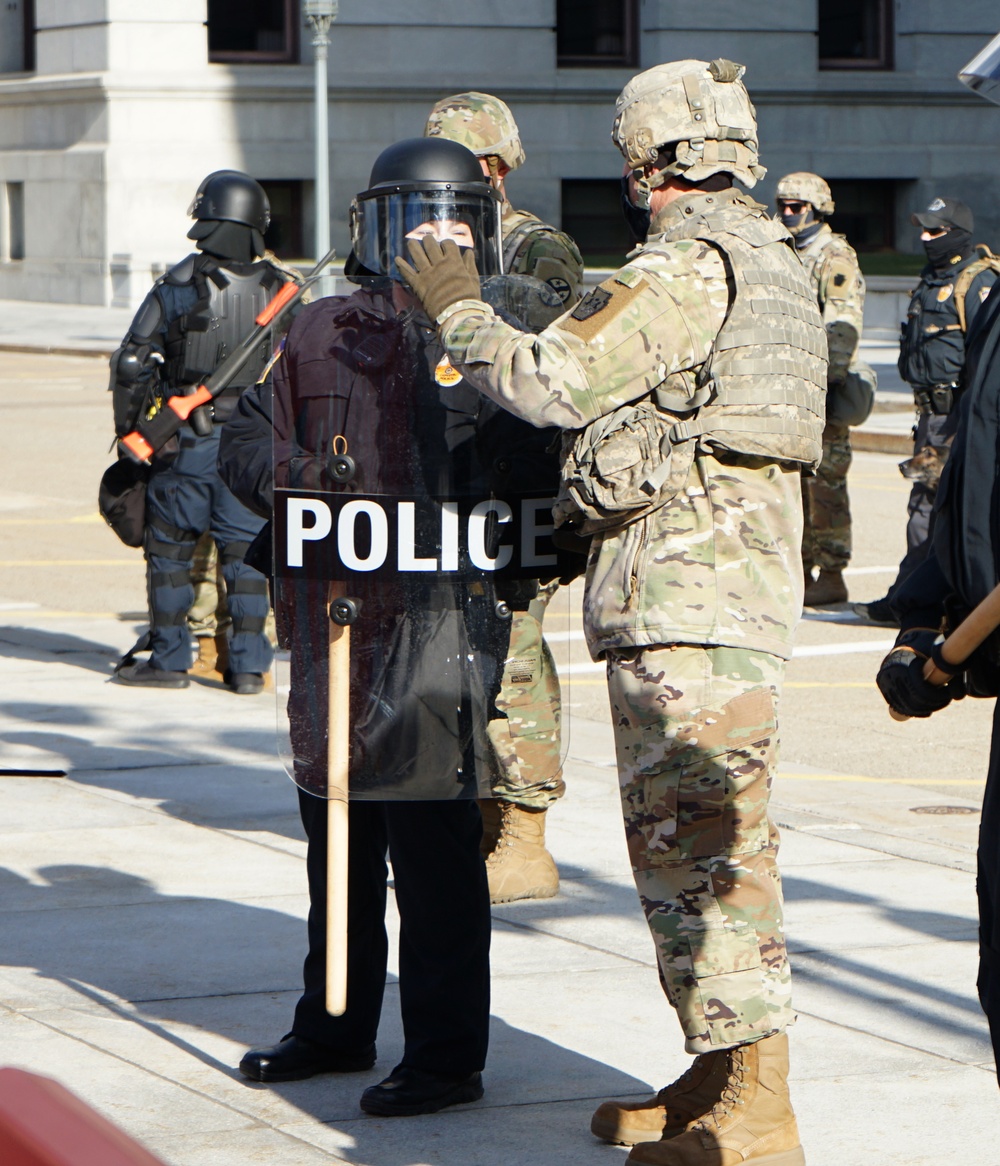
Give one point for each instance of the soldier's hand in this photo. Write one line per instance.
(901, 681)
(441, 274)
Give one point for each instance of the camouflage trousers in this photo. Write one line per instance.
(527, 745)
(826, 532)
(209, 614)
(696, 738)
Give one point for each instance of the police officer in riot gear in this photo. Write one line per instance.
(952, 286)
(369, 368)
(193, 317)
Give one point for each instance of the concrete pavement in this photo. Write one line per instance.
(152, 925)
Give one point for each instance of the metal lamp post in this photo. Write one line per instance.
(319, 15)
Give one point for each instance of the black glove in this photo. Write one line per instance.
(901, 681)
(441, 275)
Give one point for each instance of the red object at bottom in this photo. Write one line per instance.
(43, 1124)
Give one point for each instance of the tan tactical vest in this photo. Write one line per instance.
(762, 390)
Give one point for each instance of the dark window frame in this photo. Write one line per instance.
(28, 55)
(880, 210)
(884, 61)
(629, 57)
(289, 56)
(295, 246)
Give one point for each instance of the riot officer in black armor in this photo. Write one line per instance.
(193, 317)
(952, 286)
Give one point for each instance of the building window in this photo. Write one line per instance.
(855, 34)
(597, 32)
(252, 30)
(11, 222)
(592, 214)
(866, 212)
(285, 236)
(29, 35)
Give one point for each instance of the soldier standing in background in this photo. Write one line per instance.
(517, 862)
(952, 287)
(803, 202)
(706, 348)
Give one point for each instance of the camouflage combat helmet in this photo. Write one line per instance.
(701, 110)
(802, 186)
(480, 122)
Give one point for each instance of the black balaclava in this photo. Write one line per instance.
(638, 218)
(234, 241)
(948, 250)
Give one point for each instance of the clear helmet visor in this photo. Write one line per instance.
(384, 220)
(982, 73)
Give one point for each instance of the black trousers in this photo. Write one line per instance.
(444, 944)
(988, 890)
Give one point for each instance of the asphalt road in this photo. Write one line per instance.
(60, 561)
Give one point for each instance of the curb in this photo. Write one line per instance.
(57, 350)
(876, 441)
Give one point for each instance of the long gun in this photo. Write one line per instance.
(152, 434)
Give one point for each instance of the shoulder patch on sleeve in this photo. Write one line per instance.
(600, 307)
(839, 278)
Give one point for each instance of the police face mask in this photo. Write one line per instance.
(638, 218)
(942, 250)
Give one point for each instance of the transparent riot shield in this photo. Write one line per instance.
(415, 572)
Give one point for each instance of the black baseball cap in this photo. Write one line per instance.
(944, 212)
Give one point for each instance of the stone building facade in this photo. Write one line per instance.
(111, 111)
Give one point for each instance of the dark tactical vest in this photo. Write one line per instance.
(228, 300)
(932, 342)
(762, 390)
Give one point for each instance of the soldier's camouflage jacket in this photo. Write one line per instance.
(840, 291)
(719, 563)
(531, 247)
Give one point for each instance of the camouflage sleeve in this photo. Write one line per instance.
(553, 257)
(653, 319)
(842, 297)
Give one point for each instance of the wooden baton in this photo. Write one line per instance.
(338, 834)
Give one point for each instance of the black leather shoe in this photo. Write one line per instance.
(141, 673)
(244, 683)
(294, 1059)
(407, 1092)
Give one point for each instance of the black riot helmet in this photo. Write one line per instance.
(415, 185)
(230, 196)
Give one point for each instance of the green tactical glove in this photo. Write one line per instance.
(441, 275)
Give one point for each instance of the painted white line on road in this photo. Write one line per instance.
(842, 649)
(870, 570)
(19, 606)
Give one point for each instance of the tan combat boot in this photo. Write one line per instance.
(828, 588)
(752, 1123)
(671, 1110)
(518, 866)
(212, 659)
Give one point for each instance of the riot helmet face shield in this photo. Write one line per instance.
(982, 73)
(384, 219)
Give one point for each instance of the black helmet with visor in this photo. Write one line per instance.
(415, 185)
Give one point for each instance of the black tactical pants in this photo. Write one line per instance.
(988, 890)
(182, 501)
(444, 942)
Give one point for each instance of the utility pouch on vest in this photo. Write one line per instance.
(852, 402)
(621, 467)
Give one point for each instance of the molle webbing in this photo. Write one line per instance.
(767, 368)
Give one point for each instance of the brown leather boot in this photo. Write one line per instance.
(828, 588)
(752, 1122)
(207, 663)
(519, 866)
(671, 1110)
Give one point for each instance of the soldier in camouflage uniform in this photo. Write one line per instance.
(530, 761)
(707, 351)
(804, 201)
